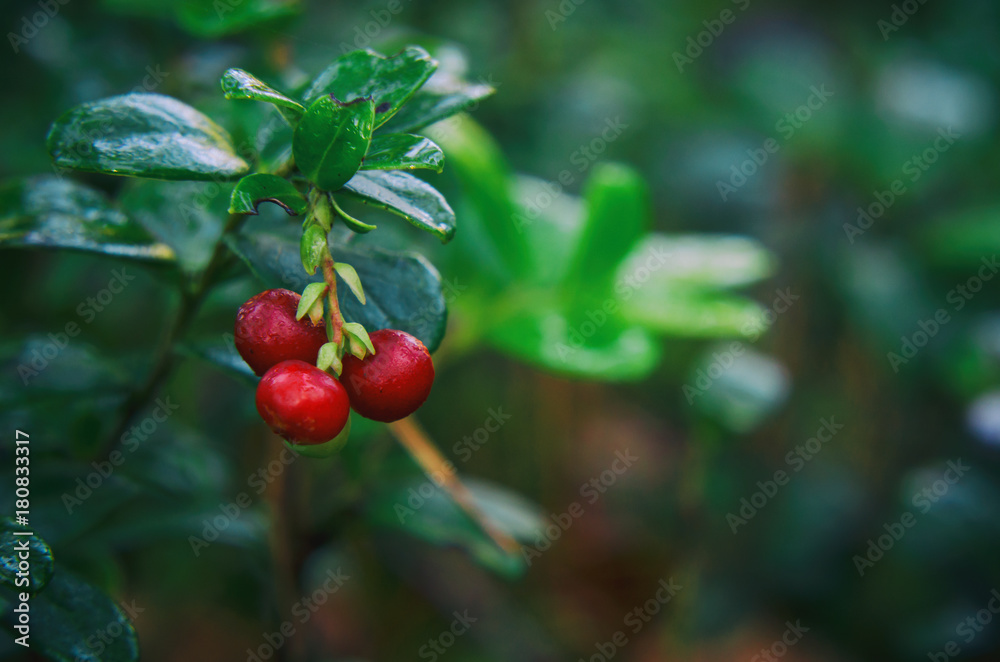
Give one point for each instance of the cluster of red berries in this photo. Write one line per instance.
(306, 405)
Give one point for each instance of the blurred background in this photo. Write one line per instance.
(812, 476)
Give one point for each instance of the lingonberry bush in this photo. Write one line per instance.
(339, 335)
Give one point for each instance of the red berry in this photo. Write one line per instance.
(301, 403)
(267, 332)
(392, 383)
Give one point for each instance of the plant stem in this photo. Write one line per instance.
(191, 299)
(336, 318)
(438, 469)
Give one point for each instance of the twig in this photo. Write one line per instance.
(425, 453)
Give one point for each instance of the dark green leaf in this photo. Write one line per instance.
(403, 151)
(403, 290)
(405, 195)
(39, 558)
(255, 189)
(143, 135)
(442, 96)
(67, 615)
(617, 215)
(50, 211)
(221, 354)
(439, 520)
(221, 17)
(389, 81)
(239, 84)
(187, 216)
(331, 140)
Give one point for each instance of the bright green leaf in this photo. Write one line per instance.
(354, 224)
(617, 214)
(331, 140)
(358, 333)
(313, 248)
(313, 293)
(350, 276)
(328, 357)
(704, 261)
(55, 212)
(575, 344)
(388, 81)
(143, 135)
(239, 84)
(405, 195)
(39, 558)
(402, 290)
(257, 188)
(693, 313)
(403, 151)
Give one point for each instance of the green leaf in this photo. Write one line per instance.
(487, 183)
(694, 313)
(331, 140)
(222, 355)
(388, 81)
(239, 84)
(313, 293)
(442, 96)
(358, 334)
(313, 248)
(54, 212)
(402, 290)
(222, 17)
(617, 215)
(354, 224)
(704, 261)
(350, 276)
(187, 216)
(403, 151)
(590, 344)
(405, 195)
(143, 135)
(328, 357)
(257, 188)
(439, 520)
(67, 615)
(39, 558)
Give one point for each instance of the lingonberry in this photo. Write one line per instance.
(392, 383)
(267, 332)
(301, 403)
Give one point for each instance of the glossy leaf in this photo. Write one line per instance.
(388, 81)
(617, 215)
(54, 212)
(143, 135)
(215, 19)
(356, 225)
(39, 558)
(331, 140)
(442, 96)
(239, 84)
(403, 291)
(257, 188)
(440, 521)
(403, 151)
(405, 195)
(66, 616)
